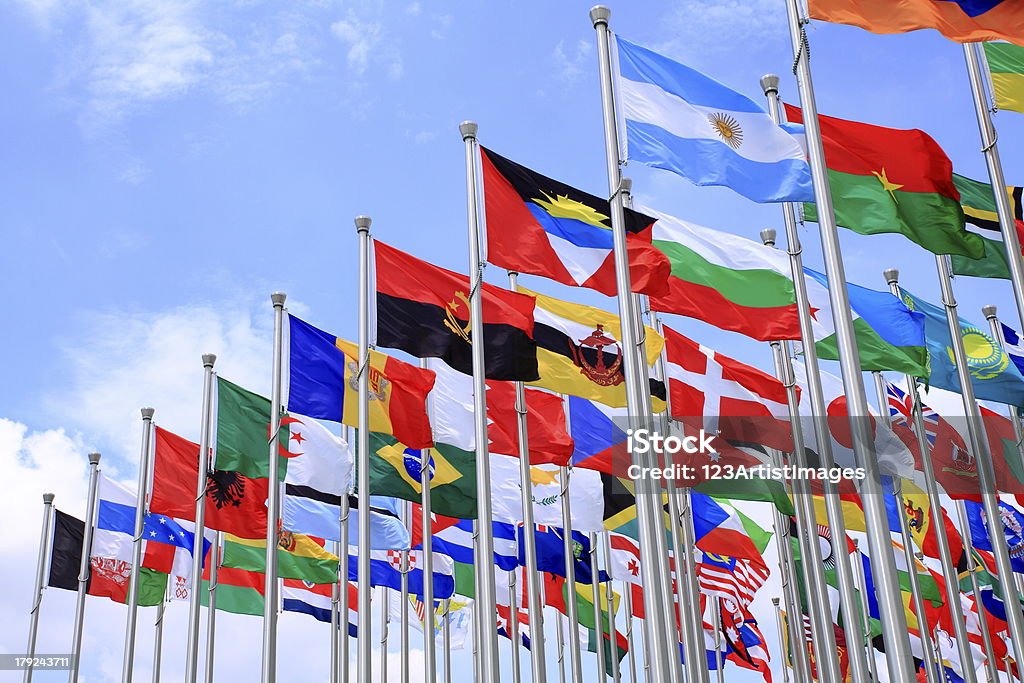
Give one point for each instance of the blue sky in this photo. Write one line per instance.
(166, 165)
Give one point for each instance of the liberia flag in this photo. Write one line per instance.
(540, 226)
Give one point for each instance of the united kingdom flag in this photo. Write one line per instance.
(901, 408)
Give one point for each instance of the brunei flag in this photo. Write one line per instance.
(322, 384)
(965, 21)
(540, 226)
(579, 352)
(424, 310)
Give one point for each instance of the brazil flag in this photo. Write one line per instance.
(395, 471)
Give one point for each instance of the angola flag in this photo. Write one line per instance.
(889, 180)
(979, 205)
(322, 384)
(965, 21)
(395, 471)
(541, 226)
(579, 352)
(424, 310)
(1006, 67)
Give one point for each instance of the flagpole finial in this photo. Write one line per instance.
(770, 84)
(277, 298)
(775, 601)
(989, 311)
(147, 413)
(891, 275)
(209, 359)
(94, 458)
(48, 498)
(599, 14)
(363, 223)
(468, 129)
(768, 236)
(627, 185)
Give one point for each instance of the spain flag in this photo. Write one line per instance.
(965, 21)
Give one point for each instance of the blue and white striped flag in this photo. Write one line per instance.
(680, 120)
(456, 542)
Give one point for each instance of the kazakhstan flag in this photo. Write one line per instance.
(993, 375)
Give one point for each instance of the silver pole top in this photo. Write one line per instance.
(768, 236)
(627, 185)
(277, 298)
(891, 275)
(599, 14)
(363, 223)
(468, 130)
(770, 84)
(94, 458)
(147, 413)
(48, 498)
(989, 311)
(775, 601)
(209, 359)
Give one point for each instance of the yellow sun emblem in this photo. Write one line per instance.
(561, 206)
(727, 128)
(985, 359)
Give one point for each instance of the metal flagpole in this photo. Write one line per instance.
(211, 605)
(571, 608)
(533, 577)
(719, 659)
(342, 635)
(991, 667)
(595, 585)
(364, 667)
(426, 524)
(446, 640)
(560, 641)
(890, 606)
(819, 611)
(979, 445)
(485, 595)
(158, 636)
(37, 595)
(782, 640)
(336, 614)
(140, 520)
(606, 548)
(202, 473)
(892, 277)
(403, 638)
(513, 626)
(663, 656)
(627, 602)
(783, 536)
(865, 612)
(83, 568)
(385, 621)
(975, 57)
(924, 631)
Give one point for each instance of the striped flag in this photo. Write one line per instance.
(314, 599)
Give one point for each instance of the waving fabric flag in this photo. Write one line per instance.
(298, 557)
(965, 21)
(1006, 67)
(550, 543)
(314, 599)
(720, 531)
(1014, 346)
(979, 204)
(456, 541)
(598, 436)
(680, 120)
(1013, 529)
(585, 495)
(385, 571)
(540, 226)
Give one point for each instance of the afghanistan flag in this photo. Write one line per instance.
(424, 310)
(322, 384)
(1006, 67)
(540, 226)
(965, 21)
(979, 205)
(889, 180)
(395, 471)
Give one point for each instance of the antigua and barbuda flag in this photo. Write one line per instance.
(680, 120)
(540, 226)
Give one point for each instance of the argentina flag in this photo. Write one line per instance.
(680, 120)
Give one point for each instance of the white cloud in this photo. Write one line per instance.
(361, 37)
(701, 29)
(571, 64)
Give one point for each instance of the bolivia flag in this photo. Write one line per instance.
(965, 21)
(890, 180)
(298, 557)
(322, 384)
(424, 310)
(1006, 65)
(540, 226)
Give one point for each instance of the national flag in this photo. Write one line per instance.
(598, 435)
(299, 556)
(1013, 530)
(723, 396)
(235, 503)
(720, 531)
(396, 470)
(585, 495)
(1013, 346)
(323, 384)
(65, 551)
(424, 310)
(579, 351)
(890, 336)
(752, 458)
(890, 180)
(1006, 70)
(454, 538)
(624, 559)
(1005, 450)
(541, 226)
(745, 645)
(994, 377)
(550, 543)
(680, 120)
(726, 280)
(314, 599)
(385, 570)
(965, 21)
(243, 428)
(238, 591)
(556, 593)
(730, 578)
(613, 651)
(979, 205)
(545, 424)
